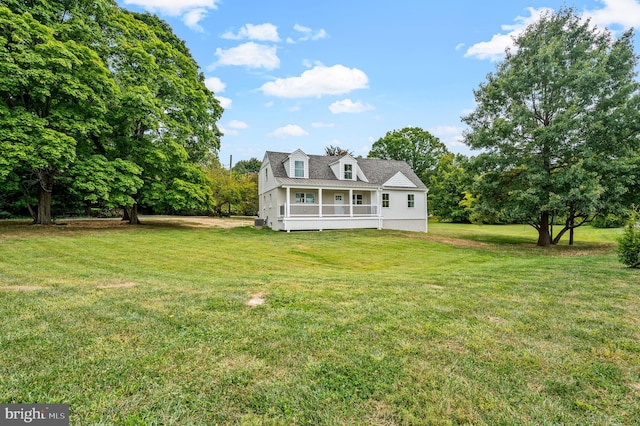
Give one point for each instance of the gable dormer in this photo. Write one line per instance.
(346, 168)
(296, 165)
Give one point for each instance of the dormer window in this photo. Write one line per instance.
(348, 171)
(299, 169)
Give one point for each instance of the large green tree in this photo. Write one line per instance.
(558, 123)
(166, 120)
(133, 132)
(419, 148)
(54, 94)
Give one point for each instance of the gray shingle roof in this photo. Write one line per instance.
(377, 171)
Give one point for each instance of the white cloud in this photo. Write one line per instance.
(318, 81)
(302, 29)
(173, 7)
(261, 32)
(269, 104)
(307, 34)
(616, 12)
(237, 124)
(441, 131)
(224, 102)
(251, 55)
(192, 18)
(320, 124)
(215, 84)
(227, 132)
(494, 49)
(459, 46)
(449, 135)
(295, 108)
(348, 106)
(287, 131)
(625, 13)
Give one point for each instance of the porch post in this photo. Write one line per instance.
(350, 202)
(287, 206)
(320, 202)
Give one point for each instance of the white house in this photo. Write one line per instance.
(315, 192)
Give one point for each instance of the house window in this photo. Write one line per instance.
(411, 200)
(385, 200)
(348, 171)
(299, 169)
(266, 174)
(305, 198)
(356, 199)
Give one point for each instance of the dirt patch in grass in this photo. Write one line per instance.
(458, 242)
(24, 228)
(256, 300)
(21, 287)
(435, 287)
(200, 221)
(118, 285)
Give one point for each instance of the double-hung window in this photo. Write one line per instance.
(298, 169)
(385, 200)
(411, 200)
(348, 171)
(305, 198)
(356, 199)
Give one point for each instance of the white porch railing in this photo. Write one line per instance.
(330, 210)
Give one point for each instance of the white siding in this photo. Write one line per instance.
(400, 180)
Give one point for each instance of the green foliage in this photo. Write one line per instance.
(559, 124)
(232, 192)
(609, 221)
(419, 148)
(448, 188)
(629, 242)
(247, 166)
(133, 132)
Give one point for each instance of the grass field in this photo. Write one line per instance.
(463, 325)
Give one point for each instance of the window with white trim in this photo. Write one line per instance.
(348, 171)
(385, 200)
(305, 198)
(298, 169)
(356, 199)
(411, 200)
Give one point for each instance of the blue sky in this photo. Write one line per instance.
(308, 74)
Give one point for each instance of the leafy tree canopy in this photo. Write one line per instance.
(419, 148)
(127, 133)
(336, 151)
(248, 166)
(558, 123)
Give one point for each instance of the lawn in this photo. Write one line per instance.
(464, 325)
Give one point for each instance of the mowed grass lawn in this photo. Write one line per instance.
(463, 325)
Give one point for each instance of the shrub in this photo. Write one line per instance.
(629, 243)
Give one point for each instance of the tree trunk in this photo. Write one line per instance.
(133, 215)
(125, 214)
(43, 214)
(571, 234)
(544, 238)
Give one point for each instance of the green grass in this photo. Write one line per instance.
(464, 325)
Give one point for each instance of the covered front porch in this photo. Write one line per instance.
(330, 208)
